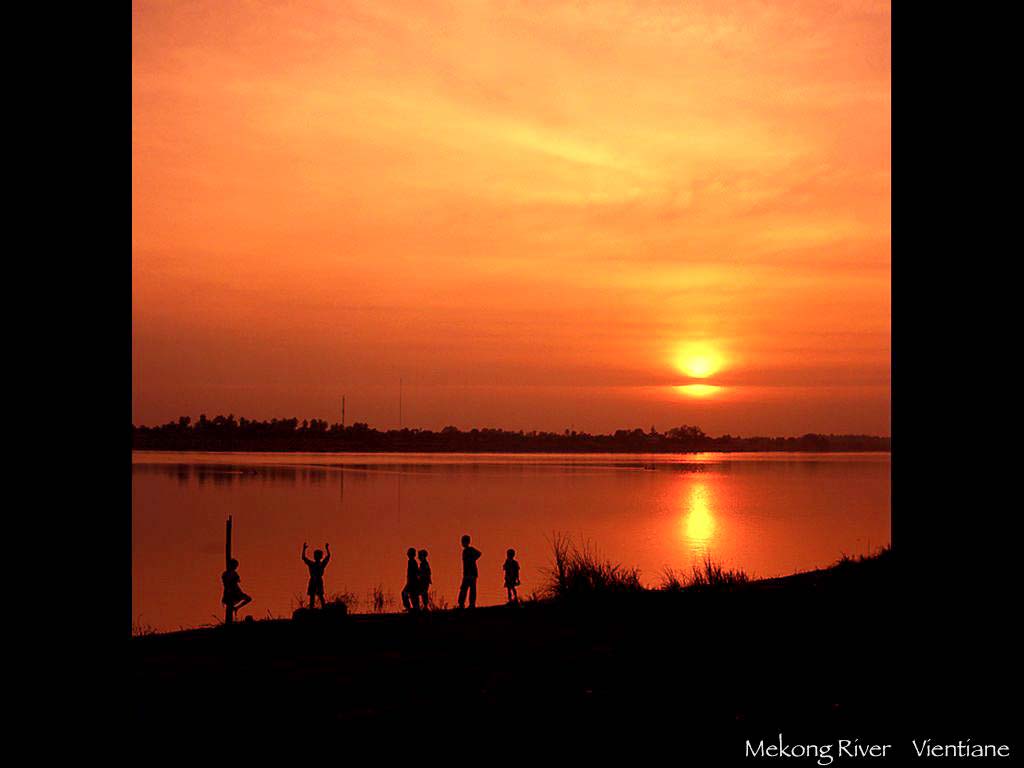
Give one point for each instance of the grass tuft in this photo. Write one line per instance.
(380, 601)
(347, 599)
(437, 602)
(883, 554)
(712, 574)
(672, 581)
(578, 571)
(142, 630)
(708, 574)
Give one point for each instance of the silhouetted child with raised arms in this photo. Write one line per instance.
(511, 569)
(424, 579)
(234, 598)
(411, 590)
(316, 573)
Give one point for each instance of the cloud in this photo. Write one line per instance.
(559, 190)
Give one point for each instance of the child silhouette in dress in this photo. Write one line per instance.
(511, 569)
(233, 598)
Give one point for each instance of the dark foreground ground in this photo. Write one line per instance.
(822, 654)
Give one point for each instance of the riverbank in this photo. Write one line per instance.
(810, 648)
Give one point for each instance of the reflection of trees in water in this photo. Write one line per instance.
(229, 474)
(320, 474)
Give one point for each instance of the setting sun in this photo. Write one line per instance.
(330, 197)
(700, 366)
(699, 361)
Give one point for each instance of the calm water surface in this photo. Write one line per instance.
(769, 514)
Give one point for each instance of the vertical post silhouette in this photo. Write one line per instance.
(229, 612)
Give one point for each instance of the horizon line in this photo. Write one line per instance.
(571, 432)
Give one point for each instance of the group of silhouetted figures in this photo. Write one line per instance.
(415, 594)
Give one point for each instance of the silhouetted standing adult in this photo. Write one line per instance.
(469, 573)
(233, 598)
(316, 573)
(411, 590)
(424, 580)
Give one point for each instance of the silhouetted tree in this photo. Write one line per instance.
(225, 433)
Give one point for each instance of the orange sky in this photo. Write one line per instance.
(538, 215)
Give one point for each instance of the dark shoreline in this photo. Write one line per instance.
(809, 648)
(847, 571)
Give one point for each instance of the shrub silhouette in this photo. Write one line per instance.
(578, 571)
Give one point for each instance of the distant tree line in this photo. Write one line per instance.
(226, 433)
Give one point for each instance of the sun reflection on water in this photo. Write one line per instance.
(698, 390)
(699, 522)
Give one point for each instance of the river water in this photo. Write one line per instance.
(769, 514)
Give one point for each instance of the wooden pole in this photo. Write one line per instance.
(229, 613)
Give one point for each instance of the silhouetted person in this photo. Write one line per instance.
(511, 569)
(424, 581)
(316, 573)
(411, 590)
(469, 573)
(234, 598)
